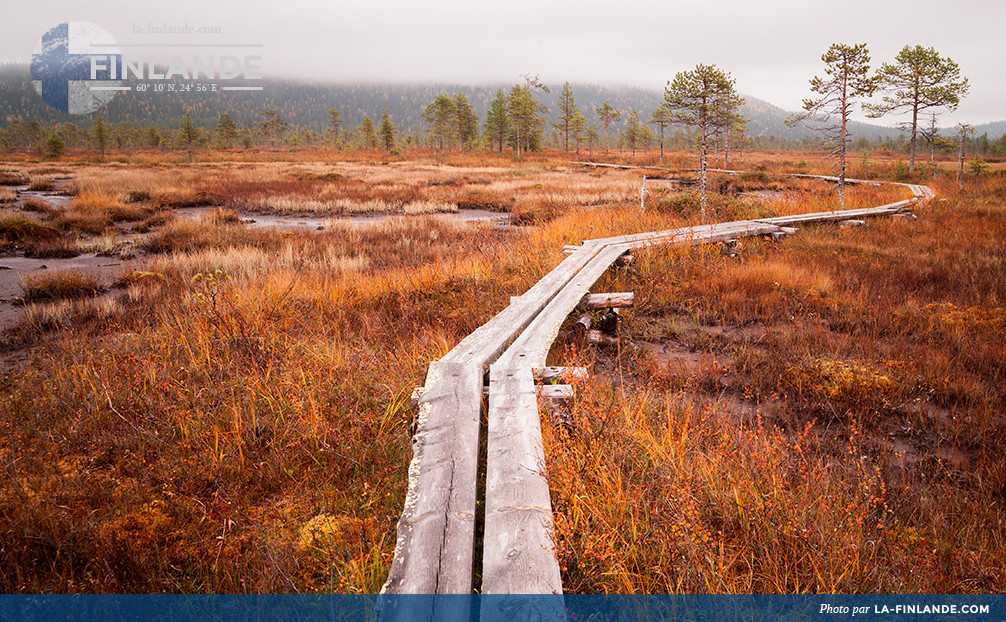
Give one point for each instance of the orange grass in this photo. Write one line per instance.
(235, 418)
(823, 415)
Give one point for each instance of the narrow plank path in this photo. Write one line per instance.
(434, 552)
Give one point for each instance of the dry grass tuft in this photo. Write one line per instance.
(59, 286)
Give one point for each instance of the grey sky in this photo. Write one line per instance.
(772, 48)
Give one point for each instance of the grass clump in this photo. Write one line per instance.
(41, 206)
(62, 285)
(19, 232)
(94, 213)
(41, 184)
(215, 230)
(13, 178)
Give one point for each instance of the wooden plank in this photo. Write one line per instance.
(521, 608)
(531, 348)
(436, 533)
(488, 341)
(417, 395)
(554, 391)
(833, 178)
(839, 214)
(696, 235)
(519, 553)
(608, 301)
(621, 166)
(563, 374)
(601, 338)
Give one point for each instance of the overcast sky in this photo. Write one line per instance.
(772, 47)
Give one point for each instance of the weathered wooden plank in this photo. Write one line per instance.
(833, 178)
(436, 533)
(698, 234)
(554, 391)
(531, 347)
(621, 166)
(609, 300)
(563, 374)
(890, 208)
(488, 341)
(519, 553)
(522, 608)
(601, 338)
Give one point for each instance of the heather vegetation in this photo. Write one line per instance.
(231, 414)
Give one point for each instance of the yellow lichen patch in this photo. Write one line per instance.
(839, 380)
(968, 318)
(326, 533)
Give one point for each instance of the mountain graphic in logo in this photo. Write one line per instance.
(61, 67)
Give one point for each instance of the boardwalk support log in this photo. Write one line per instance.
(608, 301)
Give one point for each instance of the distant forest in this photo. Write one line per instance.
(153, 119)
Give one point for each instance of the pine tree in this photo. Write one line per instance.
(704, 98)
(334, 116)
(368, 132)
(567, 113)
(439, 115)
(465, 120)
(101, 132)
(525, 112)
(497, 125)
(273, 125)
(591, 136)
(661, 117)
(387, 131)
(188, 134)
(635, 132)
(847, 68)
(226, 130)
(54, 146)
(607, 114)
(577, 127)
(153, 137)
(918, 80)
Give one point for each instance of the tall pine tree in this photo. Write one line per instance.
(704, 98)
(497, 125)
(847, 78)
(918, 80)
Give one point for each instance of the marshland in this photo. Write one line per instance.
(191, 403)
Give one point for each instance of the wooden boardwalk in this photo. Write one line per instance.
(436, 543)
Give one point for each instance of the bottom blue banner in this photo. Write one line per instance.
(495, 608)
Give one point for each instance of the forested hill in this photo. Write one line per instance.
(306, 104)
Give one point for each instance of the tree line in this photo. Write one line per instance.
(700, 109)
